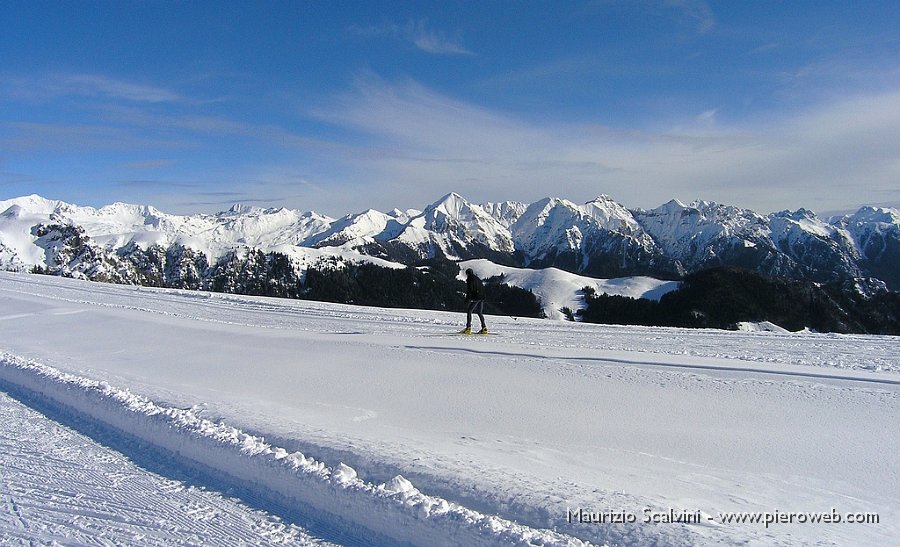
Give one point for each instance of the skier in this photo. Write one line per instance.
(474, 302)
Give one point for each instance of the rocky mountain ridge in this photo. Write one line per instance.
(601, 238)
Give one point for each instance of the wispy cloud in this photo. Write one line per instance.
(433, 41)
(62, 137)
(419, 34)
(146, 165)
(698, 11)
(100, 85)
(128, 115)
(52, 86)
(11, 178)
(764, 48)
(707, 118)
(161, 184)
(423, 143)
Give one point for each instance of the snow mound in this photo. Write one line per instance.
(394, 510)
(760, 326)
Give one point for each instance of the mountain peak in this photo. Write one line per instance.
(242, 209)
(884, 215)
(798, 215)
(34, 204)
(604, 201)
(451, 201)
(455, 227)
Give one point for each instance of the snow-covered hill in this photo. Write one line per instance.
(223, 419)
(557, 289)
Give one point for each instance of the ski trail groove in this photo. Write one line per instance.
(660, 364)
(392, 513)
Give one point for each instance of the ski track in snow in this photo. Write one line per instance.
(482, 473)
(61, 486)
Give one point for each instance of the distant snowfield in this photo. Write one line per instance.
(369, 425)
(557, 289)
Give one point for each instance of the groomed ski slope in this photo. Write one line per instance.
(369, 425)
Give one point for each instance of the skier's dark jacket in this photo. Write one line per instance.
(474, 288)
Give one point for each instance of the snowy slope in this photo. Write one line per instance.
(821, 248)
(787, 243)
(557, 289)
(513, 434)
(120, 228)
(17, 249)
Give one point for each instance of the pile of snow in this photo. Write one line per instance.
(760, 326)
(394, 510)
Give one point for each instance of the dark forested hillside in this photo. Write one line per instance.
(722, 297)
(430, 285)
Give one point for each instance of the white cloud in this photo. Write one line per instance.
(432, 41)
(87, 85)
(419, 34)
(422, 144)
(707, 118)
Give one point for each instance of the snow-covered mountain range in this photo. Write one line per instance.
(602, 238)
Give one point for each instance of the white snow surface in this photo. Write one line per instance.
(333, 423)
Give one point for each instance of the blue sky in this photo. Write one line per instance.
(339, 107)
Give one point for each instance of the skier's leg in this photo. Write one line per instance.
(480, 314)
